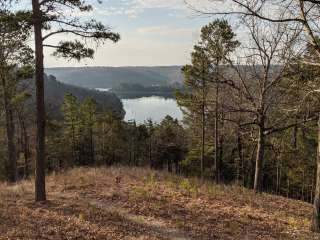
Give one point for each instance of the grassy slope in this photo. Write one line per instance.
(142, 204)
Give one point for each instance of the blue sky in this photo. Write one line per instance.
(153, 33)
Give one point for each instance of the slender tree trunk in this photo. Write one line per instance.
(150, 152)
(26, 151)
(92, 147)
(259, 159)
(113, 156)
(216, 135)
(103, 144)
(25, 144)
(240, 155)
(312, 191)
(302, 188)
(315, 225)
(203, 132)
(288, 188)
(170, 164)
(221, 143)
(278, 177)
(40, 185)
(73, 144)
(203, 123)
(11, 166)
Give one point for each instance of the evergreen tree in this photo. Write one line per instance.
(14, 54)
(202, 79)
(45, 15)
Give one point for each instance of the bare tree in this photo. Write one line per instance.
(299, 14)
(262, 86)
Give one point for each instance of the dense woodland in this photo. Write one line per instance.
(251, 113)
(114, 77)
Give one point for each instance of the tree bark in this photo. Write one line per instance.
(25, 144)
(150, 151)
(216, 136)
(240, 173)
(315, 225)
(92, 155)
(40, 186)
(202, 140)
(11, 166)
(259, 159)
(203, 123)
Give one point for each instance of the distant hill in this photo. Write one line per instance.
(113, 77)
(55, 92)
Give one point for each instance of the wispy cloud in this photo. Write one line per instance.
(133, 8)
(169, 31)
(171, 4)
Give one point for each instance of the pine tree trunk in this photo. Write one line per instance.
(25, 144)
(216, 136)
(150, 152)
(11, 166)
(202, 140)
(316, 204)
(203, 124)
(40, 190)
(259, 159)
(92, 155)
(73, 145)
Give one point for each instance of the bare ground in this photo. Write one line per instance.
(123, 203)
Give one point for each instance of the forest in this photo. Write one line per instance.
(250, 106)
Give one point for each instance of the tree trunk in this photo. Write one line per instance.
(11, 166)
(92, 151)
(150, 152)
(73, 144)
(203, 123)
(40, 189)
(302, 188)
(221, 143)
(25, 144)
(240, 155)
(216, 136)
(113, 156)
(316, 204)
(278, 177)
(202, 140)
(259, 159)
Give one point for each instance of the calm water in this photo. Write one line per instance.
(156, 108)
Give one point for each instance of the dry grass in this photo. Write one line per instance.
(123, 203)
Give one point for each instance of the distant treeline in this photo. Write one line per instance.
(127, 90)
(113, 77)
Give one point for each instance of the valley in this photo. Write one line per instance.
(146, 92)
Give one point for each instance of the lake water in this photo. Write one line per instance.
(156, 108)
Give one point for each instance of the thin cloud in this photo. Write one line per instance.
(169, 31)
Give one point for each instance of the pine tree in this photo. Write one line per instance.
(14, 54)
(45, 15)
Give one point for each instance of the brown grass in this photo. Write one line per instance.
(135, 203)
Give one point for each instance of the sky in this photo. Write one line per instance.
(153, 33)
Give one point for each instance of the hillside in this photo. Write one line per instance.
(122, 203)
(55, 92)
(112, 77)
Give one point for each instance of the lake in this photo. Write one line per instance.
(156, 108)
